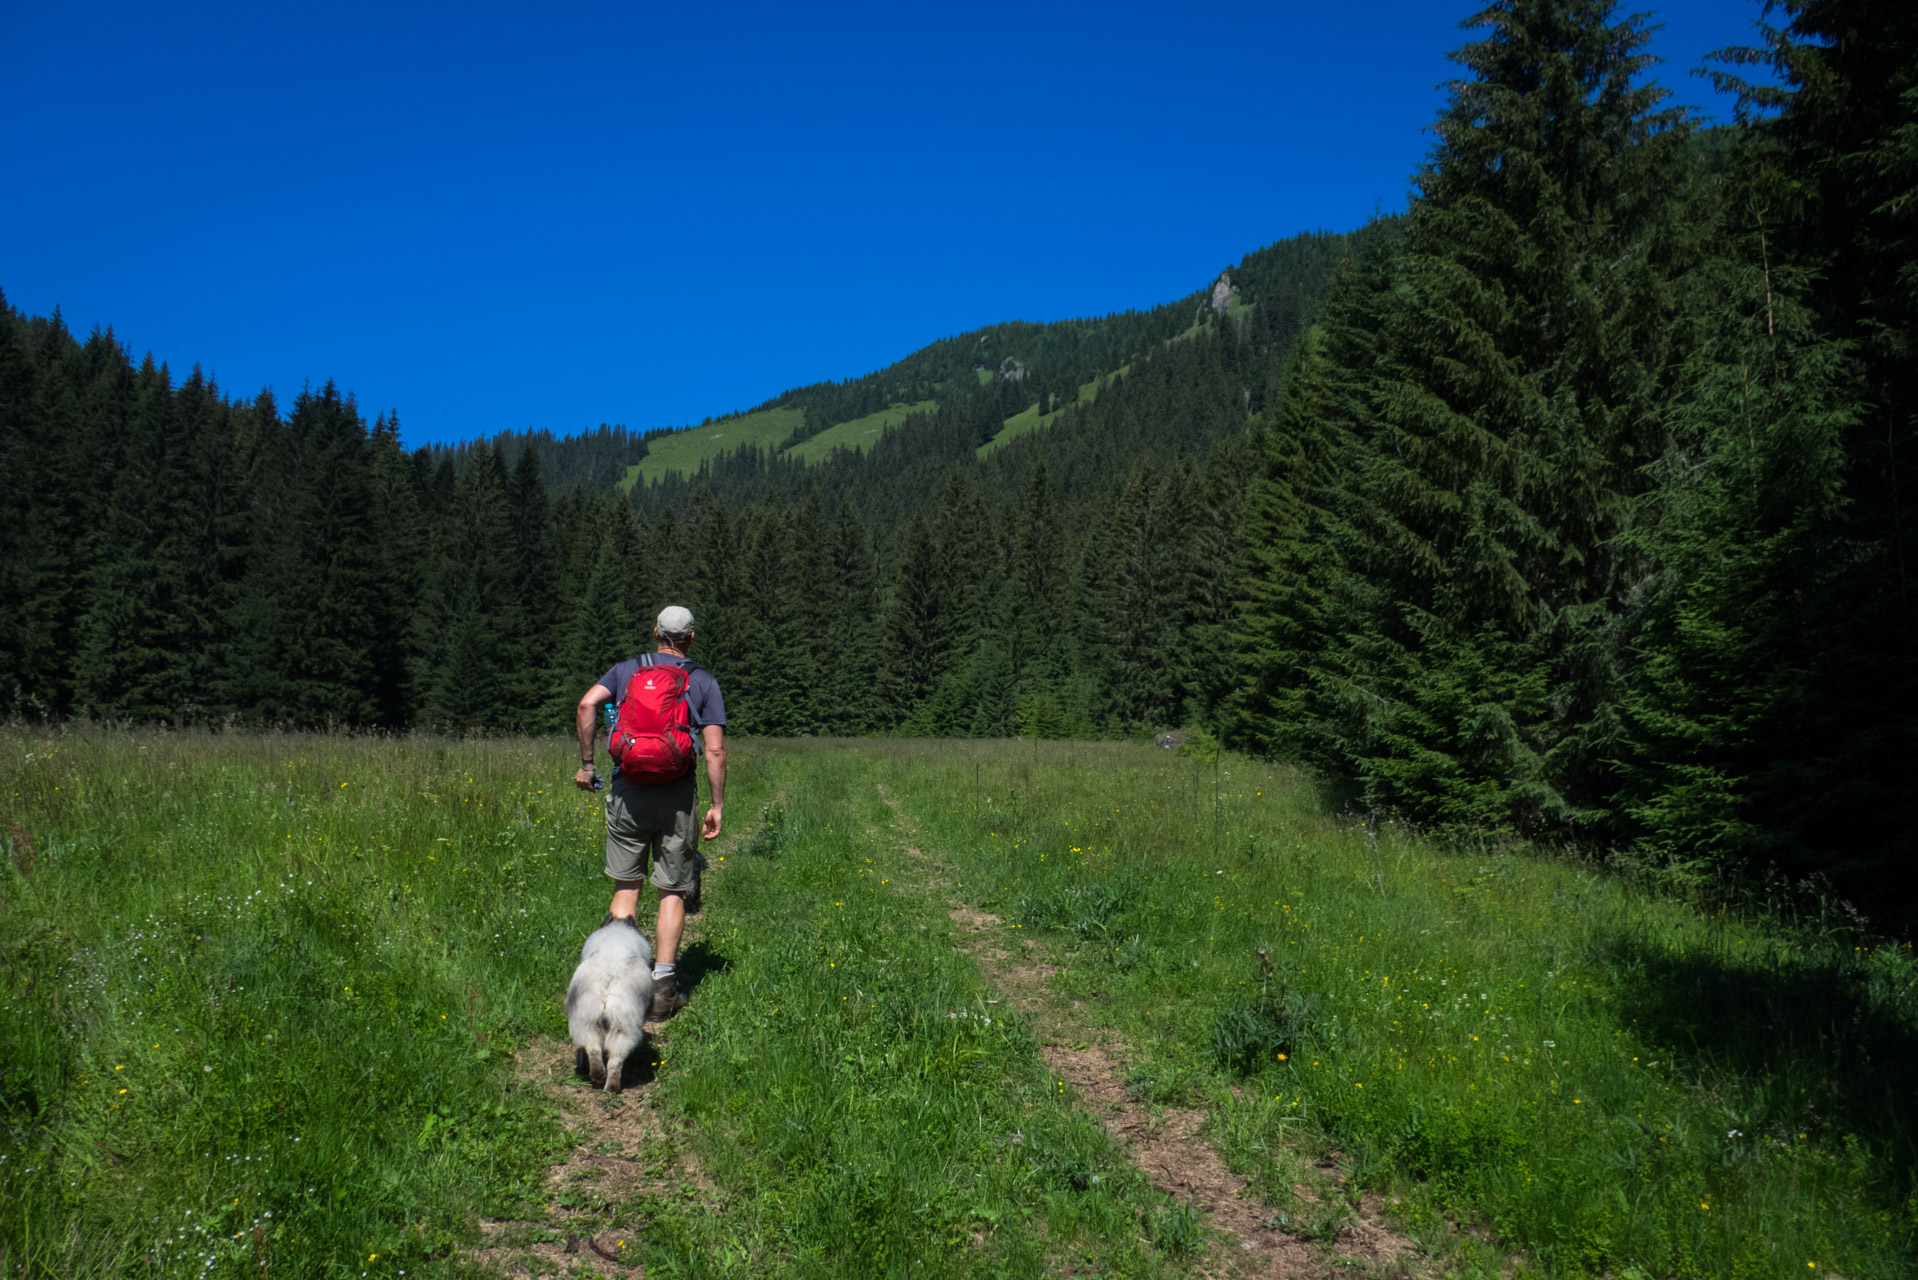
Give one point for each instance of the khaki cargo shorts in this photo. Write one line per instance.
(656, 823)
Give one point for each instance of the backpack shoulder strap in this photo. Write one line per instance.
(619, 694)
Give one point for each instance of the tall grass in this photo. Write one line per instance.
(853, 1087)
(261, 996)
(257, 996)
(1615, 1082)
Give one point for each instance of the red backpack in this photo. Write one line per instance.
(653, 738)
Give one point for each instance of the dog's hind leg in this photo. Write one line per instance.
(596, 1065)
(615, 1068)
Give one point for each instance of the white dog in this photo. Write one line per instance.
(611, 993)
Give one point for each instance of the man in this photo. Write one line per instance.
(658, 821)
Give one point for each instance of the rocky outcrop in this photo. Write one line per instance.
(1223, 291)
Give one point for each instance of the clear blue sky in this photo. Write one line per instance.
(493, 216)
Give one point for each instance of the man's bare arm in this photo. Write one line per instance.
(715, 739)
(586, 720)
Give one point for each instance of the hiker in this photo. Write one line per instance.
(673, 715)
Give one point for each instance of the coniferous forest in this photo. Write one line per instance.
(1575, 501)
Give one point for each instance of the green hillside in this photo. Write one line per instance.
(1027, 419)
(1043, 369)
(1030, 418)
(786, 426)
(685, 450)
(859, 433)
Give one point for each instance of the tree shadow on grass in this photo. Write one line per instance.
(1793, 1046)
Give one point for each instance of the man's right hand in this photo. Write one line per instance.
(585, 778)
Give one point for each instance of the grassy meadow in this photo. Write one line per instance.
(859, 433)
(1031, 419)
(261, 996)
(683, 451)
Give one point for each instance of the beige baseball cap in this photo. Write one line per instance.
(675, 620)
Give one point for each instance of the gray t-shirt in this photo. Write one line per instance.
(703, 698)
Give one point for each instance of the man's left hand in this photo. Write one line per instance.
(711, 827)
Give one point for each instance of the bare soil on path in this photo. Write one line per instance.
(1246, 1238)
(621, 1148)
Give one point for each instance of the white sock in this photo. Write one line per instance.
(662, 970)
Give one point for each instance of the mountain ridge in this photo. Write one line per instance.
(1057, 365)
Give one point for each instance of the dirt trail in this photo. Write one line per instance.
(621, 1147)
(1247, 1238)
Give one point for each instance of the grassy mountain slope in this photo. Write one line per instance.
(858, 433)
(1154, 395)
(685, 450)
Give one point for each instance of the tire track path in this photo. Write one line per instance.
(1246, 1238)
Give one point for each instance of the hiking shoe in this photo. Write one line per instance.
(693, 899)
(666, 998)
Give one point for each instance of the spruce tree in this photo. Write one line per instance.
(132, 652)
(316, 599)
(1140, 648)
(601, 631)
(1038, 573)
(911, 656)
(1501, 434)
(404, 543)
(1750, 535)
(22, 562)
(711, 590)
(472, 622)
(1212, 584)
(256, 621)
(969, 652)
(534, 593)
(1835, 183)
(850, 672)
(1038, 643)
(818, 614)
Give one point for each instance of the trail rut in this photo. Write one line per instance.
(621, 1148)
(1248, 1238)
